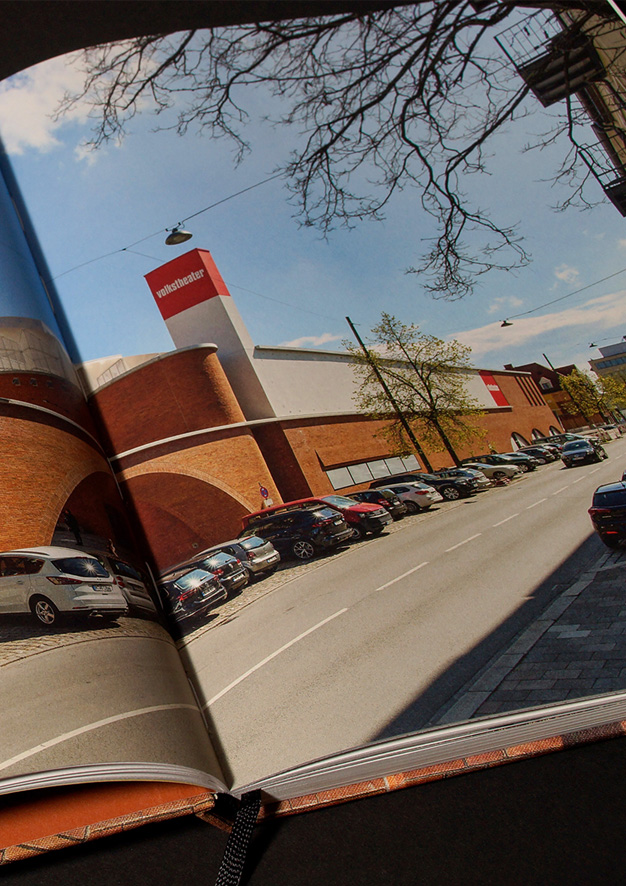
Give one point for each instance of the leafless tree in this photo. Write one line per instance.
(374, 102)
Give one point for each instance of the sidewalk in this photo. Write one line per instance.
(576, 648)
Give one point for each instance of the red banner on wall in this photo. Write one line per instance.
(185, 281)
(494, 388)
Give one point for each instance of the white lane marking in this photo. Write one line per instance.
(506, 519)
(595, 469)
(270, 657)
(561, 489)
(400, 577)
(91, 727)
(464, 542)
(579, 479)
(536, 503)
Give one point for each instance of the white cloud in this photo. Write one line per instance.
(29, 100)
(505, 301)
(567, 273)
(603, 313)
(312, 341)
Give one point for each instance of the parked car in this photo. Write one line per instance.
(383, 497)
(257, 556)
(543, 454)
(189, 594)
(608, 513)
(300, 531)
(451, 488)
(524, 462)
(559, 440)
(228, 569)
(580, 452)
(416, 496)
(497, 471)
(55, 582)
(480, 480)
(133, 585)
(363, 518)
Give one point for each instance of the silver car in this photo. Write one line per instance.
(497, 472)
(415, 495)
(53, 582)
(132, 584)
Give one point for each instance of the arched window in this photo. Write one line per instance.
(536, 434)
(554, 430)
(517, 440)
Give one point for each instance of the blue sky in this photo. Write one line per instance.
(291, 286)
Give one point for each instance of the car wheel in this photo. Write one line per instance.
(411, 507)
(249, 576)
(450, 493)
(524, 468)
(45, 611)
(302, 549)
(499, 475)
(357, 533)
(610, 541)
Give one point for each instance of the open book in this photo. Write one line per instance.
(192, 607)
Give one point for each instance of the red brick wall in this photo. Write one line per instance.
(41, 466)
(49, 391)
(195, 496)
(184, 391)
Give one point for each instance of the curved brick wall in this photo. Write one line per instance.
(49, 391)
(41, 467)
(196, 495)
(183, 391)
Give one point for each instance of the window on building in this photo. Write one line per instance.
(363, 472)
(517, 440)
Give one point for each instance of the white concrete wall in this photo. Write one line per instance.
(301, 382)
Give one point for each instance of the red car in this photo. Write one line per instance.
(362, 518)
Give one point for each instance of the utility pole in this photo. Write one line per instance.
(401, 416)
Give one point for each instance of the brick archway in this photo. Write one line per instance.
(181, 514)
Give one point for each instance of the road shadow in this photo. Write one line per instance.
(425, 708)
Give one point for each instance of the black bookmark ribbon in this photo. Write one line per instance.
(236, 850)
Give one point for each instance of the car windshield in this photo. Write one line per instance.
(85, 567)
(578, 444)
(215, 560)
(121, 568)
(326, 513)
(253, 541)
(610, 499)
(192, 579)
(339, 501)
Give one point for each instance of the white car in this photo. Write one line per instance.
(51, 582)
(416, 496)
(495, 472)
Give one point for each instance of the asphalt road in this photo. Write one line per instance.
(100, 700)
(373, 641)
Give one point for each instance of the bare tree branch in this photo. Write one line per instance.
(376, 102)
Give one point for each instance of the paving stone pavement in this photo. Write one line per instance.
(576, 648)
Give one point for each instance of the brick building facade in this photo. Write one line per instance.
(194, 433)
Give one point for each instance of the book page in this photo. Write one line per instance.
(90, 675)
(250, 441)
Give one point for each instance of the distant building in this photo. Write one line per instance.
(579, 56)
(612, 360)
(547, 380)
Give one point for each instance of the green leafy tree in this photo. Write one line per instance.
(425, 383)
(592, 397)
(372, 100)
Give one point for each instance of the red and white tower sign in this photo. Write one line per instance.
(197, 308)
